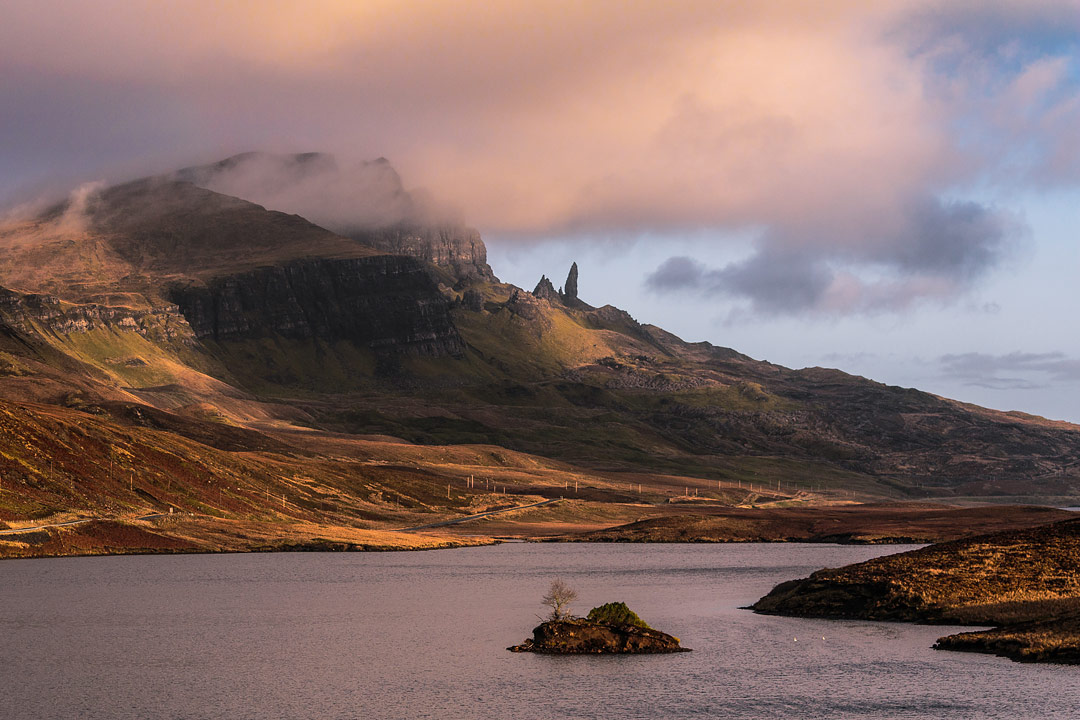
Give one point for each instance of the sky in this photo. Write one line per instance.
(891, 188)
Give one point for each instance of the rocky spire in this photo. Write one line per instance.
(544, 289)
(571, 284)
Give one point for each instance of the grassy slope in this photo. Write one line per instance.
(60, 464)
(569, 386)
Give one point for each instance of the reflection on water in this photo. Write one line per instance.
(423, 635)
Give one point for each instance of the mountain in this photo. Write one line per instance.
(287, 311)
(366, 202)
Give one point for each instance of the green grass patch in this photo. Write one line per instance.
(616, 613)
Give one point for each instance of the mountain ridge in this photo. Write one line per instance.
(224, 313)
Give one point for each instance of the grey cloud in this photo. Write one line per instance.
(341, 195)
(958, 239)
(936, 251)
(774, 282)
(677, 273)
(1012, 371)
(61, 131)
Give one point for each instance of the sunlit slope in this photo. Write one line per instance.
(217, 486)
(126, 244)
(220, 310)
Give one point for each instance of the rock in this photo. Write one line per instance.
(528, 306)
(472, 300)
(458, 248)
(570, 292)
(22, 312)
(583, 637)
(545, 290)
(566, 296)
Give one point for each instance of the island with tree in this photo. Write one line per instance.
(609, 628)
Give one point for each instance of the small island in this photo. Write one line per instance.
(609, 628)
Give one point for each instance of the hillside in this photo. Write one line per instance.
(235, 329)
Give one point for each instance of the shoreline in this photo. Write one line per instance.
(545, 521)
(1023, 585)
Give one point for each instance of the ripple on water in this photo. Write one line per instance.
(423, 635)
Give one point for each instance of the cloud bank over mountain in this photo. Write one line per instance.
(867, 143)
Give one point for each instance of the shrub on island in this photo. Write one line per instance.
(616, 613)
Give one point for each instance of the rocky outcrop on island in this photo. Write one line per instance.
(527, 306)
(578, 636)
(1027, 582)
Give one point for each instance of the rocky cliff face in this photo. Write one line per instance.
(385, 302)
(545, 290)
(457, 248)
(24, 312)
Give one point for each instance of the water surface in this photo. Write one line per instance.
(423, 635)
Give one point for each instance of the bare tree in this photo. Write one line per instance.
(558, 599)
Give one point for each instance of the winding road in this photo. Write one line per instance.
(455, 521)
(441, 523)
(17, 531)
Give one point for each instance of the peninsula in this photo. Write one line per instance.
(1026, 583)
